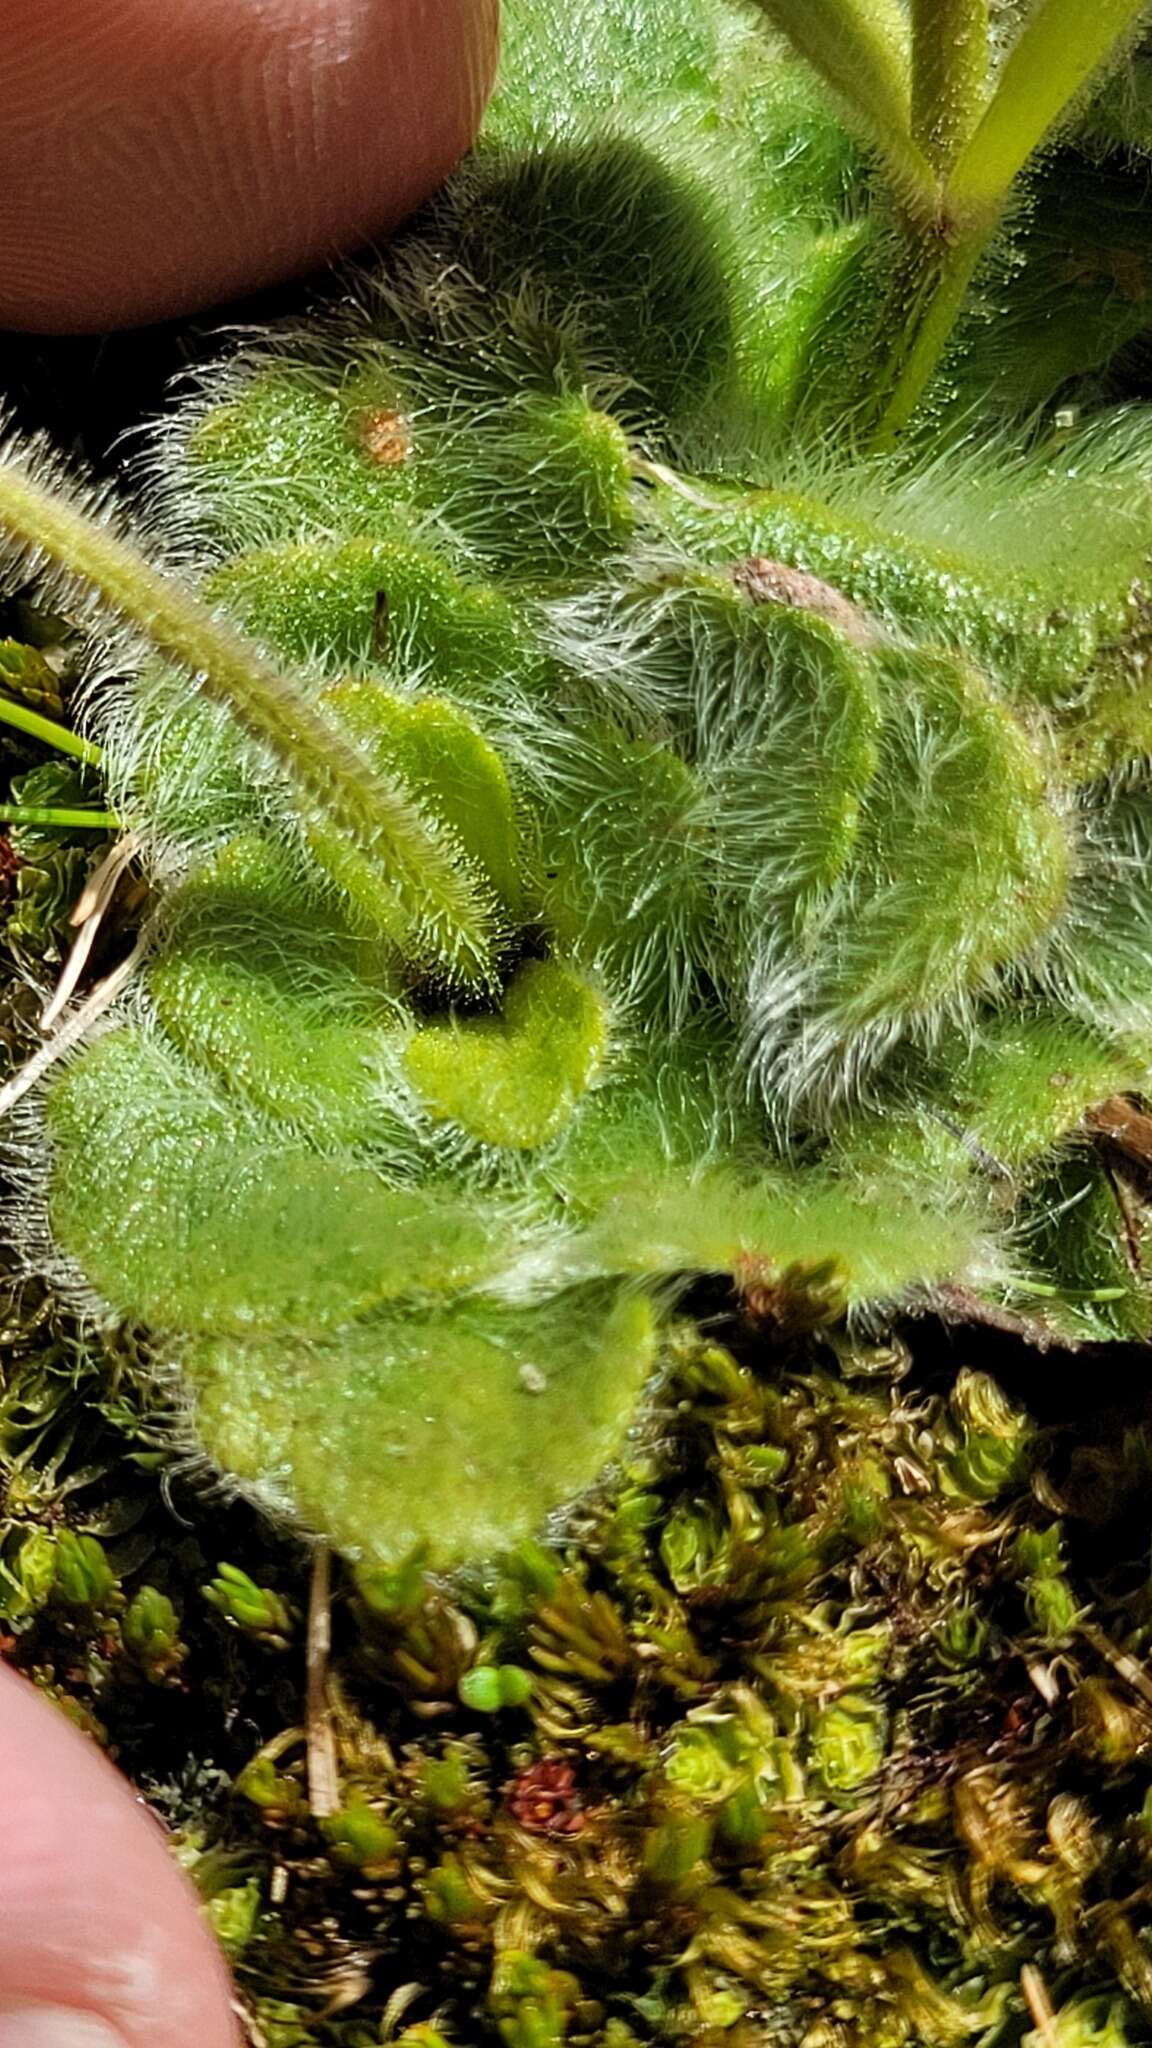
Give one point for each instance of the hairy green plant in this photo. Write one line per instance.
(614, 815)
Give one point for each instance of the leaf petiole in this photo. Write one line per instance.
(856, 47)
(949, 75)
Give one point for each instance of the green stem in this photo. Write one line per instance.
(855, 47)
(1057, 51)
(942, 298)
(50, 814)
(949, 75)
(46, 729)
(1061, 45)
(411, 862)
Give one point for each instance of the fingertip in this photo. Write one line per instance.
(157, 160)
(98, 1926)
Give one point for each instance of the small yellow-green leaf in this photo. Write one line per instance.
(514, 1079)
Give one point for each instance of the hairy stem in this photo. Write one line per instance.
(1059, 48)
(949, 75)
(413, 861)
(952, 155)
(855, 47)
(940, 301)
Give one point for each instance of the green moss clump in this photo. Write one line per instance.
(758, 1733)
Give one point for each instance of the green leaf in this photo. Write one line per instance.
(488, 1688)
(459, 780)
(292, 1014)
(461, 1429)
(515, 1079)
(229, 1225)
(388, 849)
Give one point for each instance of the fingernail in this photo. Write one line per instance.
(56, 2026)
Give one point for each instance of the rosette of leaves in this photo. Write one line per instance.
(606, 826)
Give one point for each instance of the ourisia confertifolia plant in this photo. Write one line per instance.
(639, 726)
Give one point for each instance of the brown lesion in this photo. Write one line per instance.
(383, 435)
(1126, 1125)
(765, 581)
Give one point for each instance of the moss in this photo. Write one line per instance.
(755, 1760)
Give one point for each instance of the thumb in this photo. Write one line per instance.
(159, 155)
(101, 1943)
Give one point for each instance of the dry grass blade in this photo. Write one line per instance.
(323, 1771)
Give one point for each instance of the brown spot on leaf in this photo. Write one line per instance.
(383, 435)
(764, 581)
